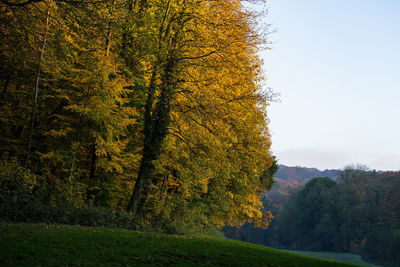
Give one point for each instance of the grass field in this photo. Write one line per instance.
(345, 257)
(55, 245)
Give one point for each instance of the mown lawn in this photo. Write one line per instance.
(55, 245)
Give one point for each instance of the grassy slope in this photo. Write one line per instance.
(48, 245)
(345, 257)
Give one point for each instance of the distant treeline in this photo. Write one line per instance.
(359, 213)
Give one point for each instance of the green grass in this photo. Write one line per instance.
(345, 257)
(55, 245)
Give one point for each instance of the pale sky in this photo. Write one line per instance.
(336, 65)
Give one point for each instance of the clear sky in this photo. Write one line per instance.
(336, 65)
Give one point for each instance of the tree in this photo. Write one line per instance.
(206, 113)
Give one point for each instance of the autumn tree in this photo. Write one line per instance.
(212, 139)
(157, 99)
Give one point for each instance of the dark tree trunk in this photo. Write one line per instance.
(156, 124)
(139, 194)
(93, 163)
(5, 87)
(146, 163)
(155, 131)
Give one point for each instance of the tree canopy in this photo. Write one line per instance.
(149, 106)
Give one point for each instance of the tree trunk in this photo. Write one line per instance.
(4, 94)
(156, 125)
(108, 35)
(37, 85)
(78, 135)
(108, 42)
(93, 162)
(156, 129)
(137, 201)
(146, 162)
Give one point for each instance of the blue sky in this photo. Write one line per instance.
(336, 65)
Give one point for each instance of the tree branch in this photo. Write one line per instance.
(9, 3)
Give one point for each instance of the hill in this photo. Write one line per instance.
(289, 178)
(303, 174)
(50, 245)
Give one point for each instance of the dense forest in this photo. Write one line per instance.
(358, 212)
(150, 110)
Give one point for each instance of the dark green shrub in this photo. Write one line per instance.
(26, 197)
(17, 184)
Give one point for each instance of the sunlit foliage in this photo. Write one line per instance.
(161, 98)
